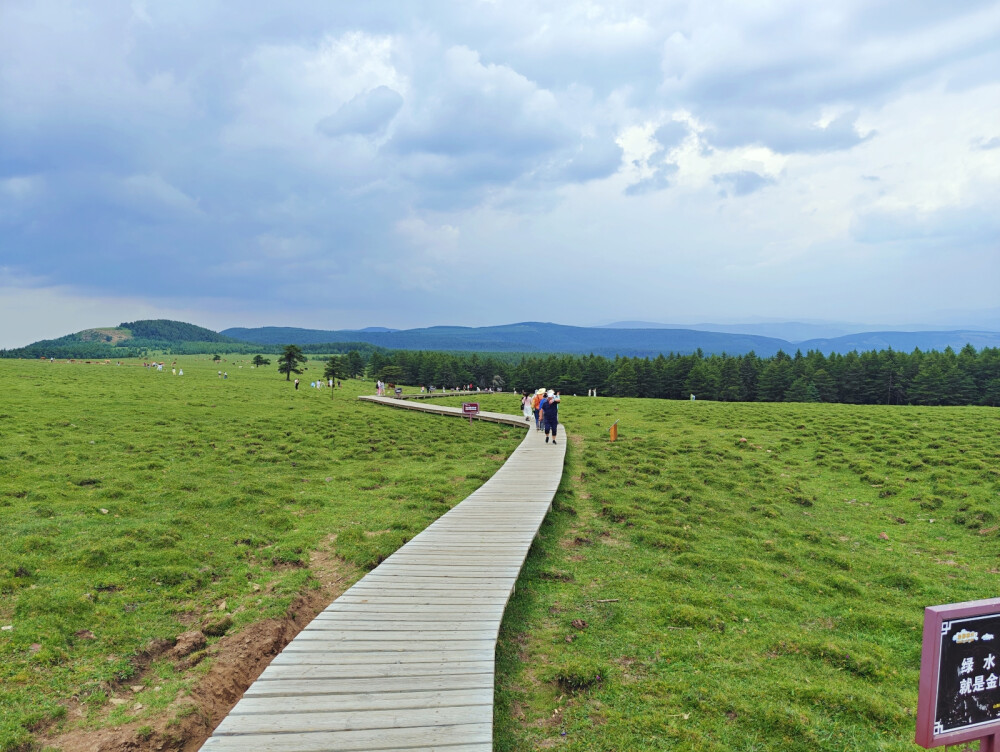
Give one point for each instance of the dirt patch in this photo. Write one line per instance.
(236, 662)
(111, 336)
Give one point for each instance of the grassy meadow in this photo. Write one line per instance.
(136, 505)
(724, 577)
(745, 576)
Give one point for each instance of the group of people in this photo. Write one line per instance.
(320, 383)
(544, 405)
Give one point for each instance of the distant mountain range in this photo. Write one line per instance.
(808, 330)
(526, 337)
(537, 337)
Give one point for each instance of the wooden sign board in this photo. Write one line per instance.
(471, 409)
(959, 697)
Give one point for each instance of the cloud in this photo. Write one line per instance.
(975, 225)
(154, 197)
(741, 183)
(670, 134)
(595, 158)
(657, 181)
(785, 132)
(189, 152)
(364, 114)
(478, 108)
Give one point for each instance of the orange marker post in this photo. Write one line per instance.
(614, 431)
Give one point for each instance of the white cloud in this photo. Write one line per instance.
(288, 88)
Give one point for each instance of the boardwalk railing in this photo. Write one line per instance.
(404, 658)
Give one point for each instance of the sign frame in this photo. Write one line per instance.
(935, 618)
(471, 409)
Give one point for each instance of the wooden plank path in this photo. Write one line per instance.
(403, 660)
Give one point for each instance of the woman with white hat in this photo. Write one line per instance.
(535, 401)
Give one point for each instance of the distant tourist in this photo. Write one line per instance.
(535, 400)
(526, 406)
(296, 385)
(550, 413)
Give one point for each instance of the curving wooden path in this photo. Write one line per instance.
(403, 660)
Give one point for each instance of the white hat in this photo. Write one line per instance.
(550, 393)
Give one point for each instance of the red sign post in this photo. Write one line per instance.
(959, 699)
(471, 409)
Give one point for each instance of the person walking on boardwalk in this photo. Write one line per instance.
(526, 406)
(535, 399)
(550, 414)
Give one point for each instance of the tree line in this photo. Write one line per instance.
(883, 377)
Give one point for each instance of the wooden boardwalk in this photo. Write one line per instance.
(403, 660)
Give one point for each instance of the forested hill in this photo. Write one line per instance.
(165, 330)
(530, 337)
(128, 339)
(535, 337)
(133, 338)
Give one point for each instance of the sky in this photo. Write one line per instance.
(338, 165)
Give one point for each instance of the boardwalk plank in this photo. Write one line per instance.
(432, 737)
(404, 658)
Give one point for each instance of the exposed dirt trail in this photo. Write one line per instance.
(236, 662)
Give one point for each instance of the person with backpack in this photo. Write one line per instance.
(550, 415)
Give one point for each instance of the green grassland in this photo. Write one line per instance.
(743, 576)
(136, 503)
(724, 577)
